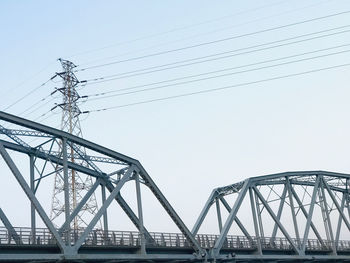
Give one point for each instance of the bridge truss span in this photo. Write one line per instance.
(286, 217)
(110, 171)
(306, 213)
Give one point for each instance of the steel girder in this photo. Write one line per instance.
(325, 194)
(126, 169)
(305, 193)
(14, 135)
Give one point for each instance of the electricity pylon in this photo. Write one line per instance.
(78, 185)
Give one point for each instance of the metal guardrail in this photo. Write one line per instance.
(42, 236)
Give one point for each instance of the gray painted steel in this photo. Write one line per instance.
(266, 198)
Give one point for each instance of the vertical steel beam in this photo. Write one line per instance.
(261, 227)
(139, 208)
(100, 212)
(11, 231)
(292, 208)
(337, 234)
(309, 217)
(66, 191)
(32, 208)
(204, 212)
(105, 218)
(31, 196)
(328, 218)
(218, 213)
(220, 241)
(279, 212)
(323, 213)
(256, 227)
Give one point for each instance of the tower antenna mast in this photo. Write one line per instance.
(78, 184)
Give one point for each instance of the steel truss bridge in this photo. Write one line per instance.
(286, 217)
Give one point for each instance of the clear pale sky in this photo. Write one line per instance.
(192, 144)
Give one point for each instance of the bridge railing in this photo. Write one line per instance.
(42, 236)
(24, 236)
(239, 242)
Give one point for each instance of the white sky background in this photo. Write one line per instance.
(188, 145)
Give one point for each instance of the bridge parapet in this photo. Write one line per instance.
(97, 237)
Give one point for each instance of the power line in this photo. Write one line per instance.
(217, 41)
(225, 75)
(210, 32)
(34, 104)
(177, 29)
(217, 71)
(191, 76)
(160, 67)
(43, 115)
(27, 94)
(29, 78)
(221, 88)
(39, 107)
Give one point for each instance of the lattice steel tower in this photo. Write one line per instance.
(78, 185)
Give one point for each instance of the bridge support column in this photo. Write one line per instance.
(259, 211)
(309, 217)
(292, 208)
(105, 216)
(340, 220)
(218, 211)
(32, 208)
(66, 190)
(256, 227)
(139, 208)
(328, 224)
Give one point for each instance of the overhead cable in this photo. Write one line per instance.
(163, 67)
(219, 76)
(181, 28)
(220, 88)
(217, 41)
(29, 93)
(126, 91)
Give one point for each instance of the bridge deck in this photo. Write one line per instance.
(130, 239)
